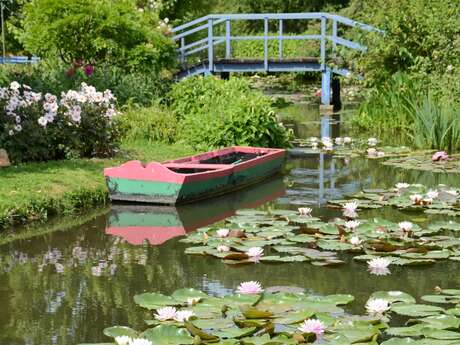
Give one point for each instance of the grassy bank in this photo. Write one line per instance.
(36, 191)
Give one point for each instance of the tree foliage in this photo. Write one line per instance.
(96, 31)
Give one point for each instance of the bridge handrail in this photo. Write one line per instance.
(207, 23)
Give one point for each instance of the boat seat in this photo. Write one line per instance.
(196, 166)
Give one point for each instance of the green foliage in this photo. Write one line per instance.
(421, 37)
(51, 76)
(152, 124)
(96, 31)
(216, 113)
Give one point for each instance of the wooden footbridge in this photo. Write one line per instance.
(205, 45)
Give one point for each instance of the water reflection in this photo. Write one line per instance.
(157, 224)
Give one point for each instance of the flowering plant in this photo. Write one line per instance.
(36, 127)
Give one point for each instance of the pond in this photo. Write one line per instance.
(65, 287)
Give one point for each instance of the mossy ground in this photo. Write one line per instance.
(36, 191)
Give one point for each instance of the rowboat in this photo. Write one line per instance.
(156, 224)
(197, 177)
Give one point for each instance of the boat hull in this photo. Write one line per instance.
(188, 188)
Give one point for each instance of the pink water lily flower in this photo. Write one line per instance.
(312, 326)
(222, 233)
(249, 288)
(440, 156)
(255, 253)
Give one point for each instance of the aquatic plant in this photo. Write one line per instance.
(166, 313)
(440, 156)
(424, 162)
(291, 318)
(249, 288)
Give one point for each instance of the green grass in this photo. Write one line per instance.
(36, 191)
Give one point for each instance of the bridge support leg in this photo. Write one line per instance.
(326, 87)
(335, 84)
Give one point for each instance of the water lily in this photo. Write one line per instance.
(312, 326)
(183, 315)
(402, 185)
(372, 141)
(140, 341)
(193, 300)
(350, 207)
(304, 211)
(249, 288)
(440, 156)
(122, 340)
(352, 224)
(372, 152)
(432, 194)
(223, 248)
(379, 263)
(255, 252)
(222, 233)
(338, 141)
(313, 139)
(165, 313)
(346, 140)
(405, 226)
(355, 241)
(328, 146)
(380, 154)
(377, 306)
(452, 192)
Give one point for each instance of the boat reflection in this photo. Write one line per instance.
(157, 224)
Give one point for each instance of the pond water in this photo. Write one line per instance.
(65, 287)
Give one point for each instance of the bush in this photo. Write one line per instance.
(47, 76)
(89, 32)
(216, 113)
(148, 124)
(36, 127)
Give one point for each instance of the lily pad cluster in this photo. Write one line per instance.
(411, 197)
(285, 236)
(425, 163)
(275, 316)
(348, 147)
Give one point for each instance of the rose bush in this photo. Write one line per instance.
(37, 127)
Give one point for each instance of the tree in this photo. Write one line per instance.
(96, 31)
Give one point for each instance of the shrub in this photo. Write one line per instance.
(88, 32)
(216, 113)
(148, 124)
(35, 127)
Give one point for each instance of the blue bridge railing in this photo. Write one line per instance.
(18, 60)
(206, 34)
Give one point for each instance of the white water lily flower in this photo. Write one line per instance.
(372, 152)
(347, 140)
(304, 211)
(223, 248)
(380, 154)
(313, 139)
(405, 226)
(122, 340)
(402, 185)
(255, 252)
(452, 192)
(165, 313)
(312, 326)
(432, 194)
(352, 224)
(377, 306)
(351, 206)
(355, 241)
(222, 233)
(379, 263)
(183, 315)
(140, 341)
(372, 141)
(249, 288)
(339, 141)
(314, 146)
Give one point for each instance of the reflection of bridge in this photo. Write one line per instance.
(206, 34)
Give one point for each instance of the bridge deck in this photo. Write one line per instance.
(307, 64)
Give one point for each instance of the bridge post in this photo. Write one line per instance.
(228, 41)
(210, 46)
(335, 86)
(326, 86)
(280, 42)
(266, 44)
